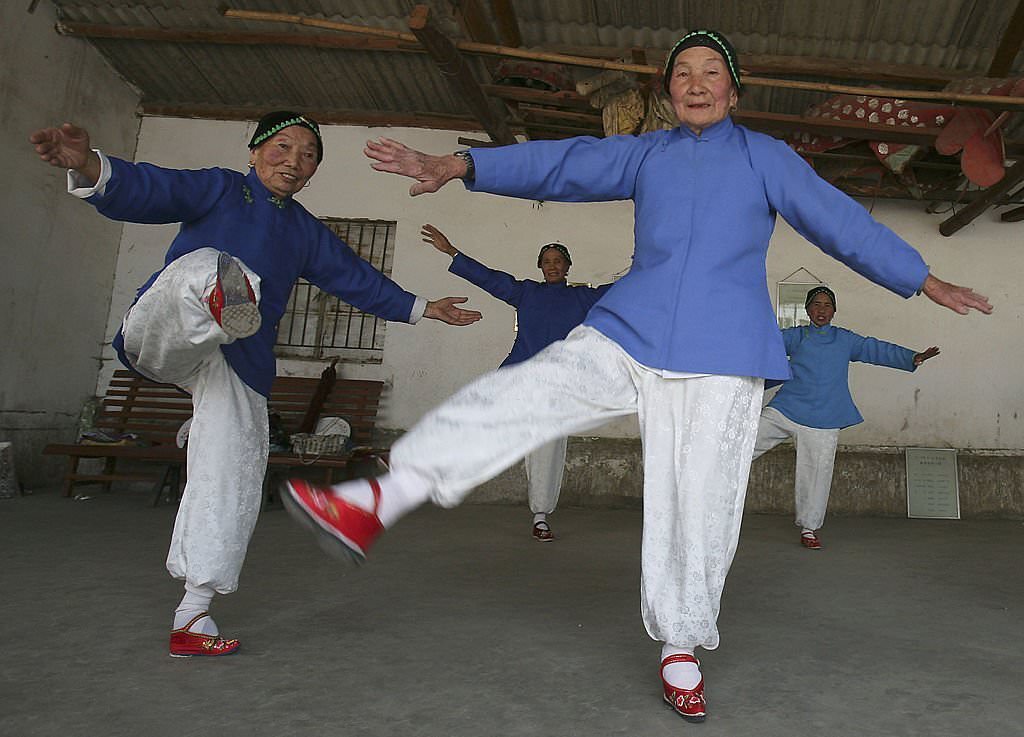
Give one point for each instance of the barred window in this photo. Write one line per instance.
(319, 325)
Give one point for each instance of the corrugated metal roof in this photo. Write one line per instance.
(958, 35)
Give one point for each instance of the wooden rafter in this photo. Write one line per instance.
(570, 129)
(387, 40)
(369, 118)
(1013, 176)
(455, 70)
(803, 66)
(755, 63)
(988, 101)
(508, 24)
(533, 111)
(1009, 44)
(349, 42)
(474, 23)
(842, 128)
(565, 98)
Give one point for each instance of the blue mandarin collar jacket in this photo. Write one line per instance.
(279, 240)
(705, 208)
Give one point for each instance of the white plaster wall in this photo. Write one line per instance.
(967, 397)
(57, 256)
(970, 395)
(427, 362)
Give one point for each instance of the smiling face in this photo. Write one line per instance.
(286, 160)
(700, 87)
(554, 266)
(820, 310)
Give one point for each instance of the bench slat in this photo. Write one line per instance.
(155, 412)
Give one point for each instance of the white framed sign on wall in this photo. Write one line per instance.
(933, 489)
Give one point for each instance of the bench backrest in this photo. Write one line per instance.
(150, 410)
(156, 411)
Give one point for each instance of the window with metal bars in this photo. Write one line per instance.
(319, 325)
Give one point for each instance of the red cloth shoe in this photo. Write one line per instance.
(542, 532)
(687, 703)
(185, 644)
(232, 301)
(342, 529)
(810, 540)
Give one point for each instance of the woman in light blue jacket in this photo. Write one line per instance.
(815, 404)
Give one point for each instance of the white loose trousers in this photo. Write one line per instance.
(170, 336)
(698, 437)
(815, 459)
(545, 468)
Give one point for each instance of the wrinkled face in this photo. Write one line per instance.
(286, 160)
(701, 88)
(820, 310)
(554, 266)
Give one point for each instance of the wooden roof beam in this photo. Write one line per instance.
(1009, 44)
(1013, 176)
(474, 22)
(563, 99)
(997, 102)
(1013, 216)
(533, 111)
(352, 42)
(508, 24)
(807, 66)
(370, 118)
(453, 67)
(844, 129)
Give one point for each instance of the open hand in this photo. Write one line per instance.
(445, 310)
(430, 172)
(923, 356)
(66, 147)
(959, 299)
(438, 240)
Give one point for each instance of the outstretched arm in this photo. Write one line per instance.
(438, 240)
(959, 299)
(923, 356)
(445, 310)
(430, 172)
(67, 147)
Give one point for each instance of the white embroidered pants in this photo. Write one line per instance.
(698, 436)
(170, 336)
(815, 459)
(544, 470)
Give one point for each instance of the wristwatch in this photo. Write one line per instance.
(470, 167)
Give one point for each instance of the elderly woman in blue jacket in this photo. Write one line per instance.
(546, 312)
(706, 195)
(815, 404)
(207, 321)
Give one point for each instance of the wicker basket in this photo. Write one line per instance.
(306, 444)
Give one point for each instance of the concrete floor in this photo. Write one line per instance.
(460, 624)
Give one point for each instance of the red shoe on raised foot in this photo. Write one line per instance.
(810, 540)
(343, 530)
(687, 703)
(232, 301)
(185, 644)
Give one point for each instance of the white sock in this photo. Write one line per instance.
(680, 675)
(540, 517)
(805, 531)
(196, 601)
(401, 492)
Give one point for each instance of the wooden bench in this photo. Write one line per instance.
(154, 413)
